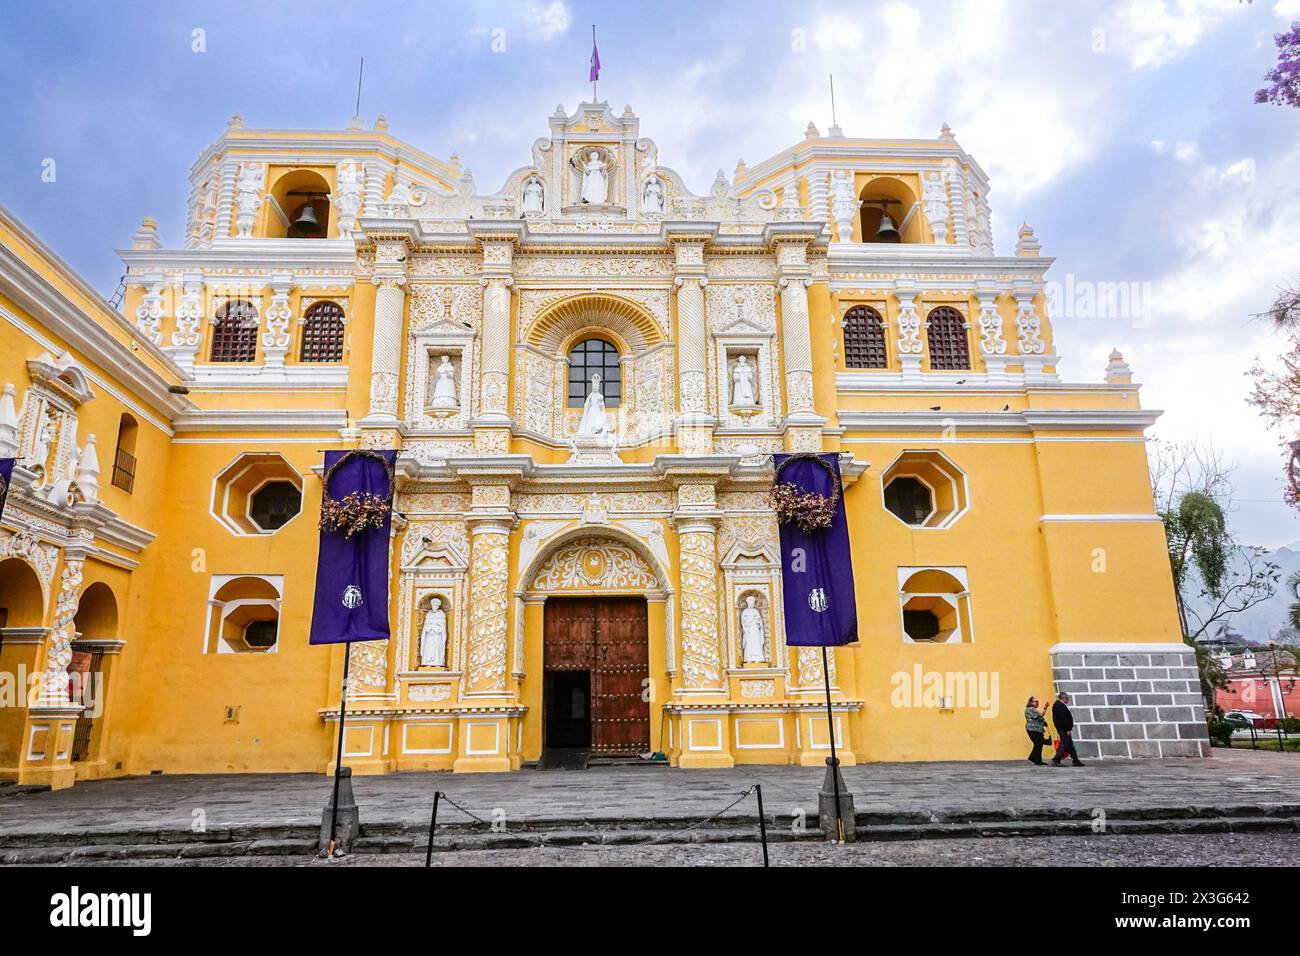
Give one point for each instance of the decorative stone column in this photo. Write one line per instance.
(490, 522)
(249, 186)
(696, 522)
(46, 751)
(789, 241)
(492, 426)
(188, 335)
(844, 204)
(910, 344)
(386, 354)
(693, 425)
(993, 346)
(149, 314)
(275, 340)
(226, 199)
(1029, 329)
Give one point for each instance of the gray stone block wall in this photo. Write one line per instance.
(1133, 700)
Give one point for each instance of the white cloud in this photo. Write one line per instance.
(548, 22)
(1286, 8)
(1150, 33)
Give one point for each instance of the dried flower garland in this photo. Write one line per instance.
(360, 510)
(808, 510)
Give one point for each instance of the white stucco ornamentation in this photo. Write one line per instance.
(1029, 326)
(844, 204)
(149, 314)
(248, 197)
(990, 326)
(909, 329)
(934, 198)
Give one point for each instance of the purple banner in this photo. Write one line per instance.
(817, 567)
(352, 572)
(6, 476)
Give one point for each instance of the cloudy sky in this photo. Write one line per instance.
(1124, 132)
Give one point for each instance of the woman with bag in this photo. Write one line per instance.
(1035, 727)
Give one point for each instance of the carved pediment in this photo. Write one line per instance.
(63, 376)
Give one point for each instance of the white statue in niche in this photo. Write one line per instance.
(444, 389)
(433, 636)
(534, 195)
(594, 422)
(742, 383)
(652, 199)
(41, 447)
(752, 650)
(595, 179)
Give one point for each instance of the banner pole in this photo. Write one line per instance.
(762, 822)
(835, 761)
(338, 755)
(433, 825)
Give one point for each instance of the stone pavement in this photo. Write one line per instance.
(669, 797)
(1110, 850)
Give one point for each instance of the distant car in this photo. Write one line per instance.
(1244, 719)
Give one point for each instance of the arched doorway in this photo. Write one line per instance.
(22, 614)
(596, 666)
(601, 594)
(96, 628)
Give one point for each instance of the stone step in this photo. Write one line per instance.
(883, 822)
(11, 788)
(591, 837)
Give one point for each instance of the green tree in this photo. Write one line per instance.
(1214, 577)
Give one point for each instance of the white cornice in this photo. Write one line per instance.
(852, 257)
(855, 420)
(240, 255)
(829, 151)
(282, 420)
(884, 382)
(305, 148)
(233, 376)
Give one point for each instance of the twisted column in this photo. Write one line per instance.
(496, 348)
(485, 643)
(797, 344)
(691, 346)
(386, 356)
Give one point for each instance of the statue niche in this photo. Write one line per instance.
(433, 635)
(593, 170)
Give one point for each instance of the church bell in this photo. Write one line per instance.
(307, 224)
(887, 231)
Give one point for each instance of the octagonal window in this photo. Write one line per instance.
(258, 493)
(924, 489)
(935, 605)
(921, 625)
(909, 499)
(274, 504)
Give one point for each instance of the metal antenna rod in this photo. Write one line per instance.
(834, 122)
(360, 72)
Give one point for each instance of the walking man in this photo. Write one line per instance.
(1063, 720)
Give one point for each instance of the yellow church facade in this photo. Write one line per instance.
(585, 375)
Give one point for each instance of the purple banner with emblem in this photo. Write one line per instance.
(6, 476)
(816, 566)
(352, 571)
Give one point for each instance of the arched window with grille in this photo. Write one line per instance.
(234, 333)
(946, 331)
(322, 333)
(864, 338)
(594, 357)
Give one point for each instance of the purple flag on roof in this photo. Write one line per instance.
(6, 475)
(594, 73)
(817, 567)
(352, 572)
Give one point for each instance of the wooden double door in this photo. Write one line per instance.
(597, 667)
